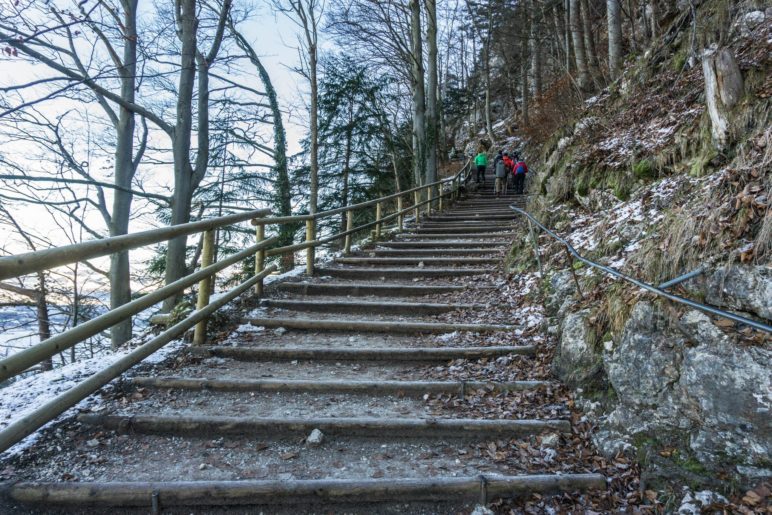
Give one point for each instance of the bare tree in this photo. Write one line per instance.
(613, 12)
(419, 93)
(432, 113)
(577, 36)
(307, 15)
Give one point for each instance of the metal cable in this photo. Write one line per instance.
(648, 287)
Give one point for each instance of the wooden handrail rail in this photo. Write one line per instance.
(14, 266)
(22, 264)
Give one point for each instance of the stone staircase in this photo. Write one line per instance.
(315, 404)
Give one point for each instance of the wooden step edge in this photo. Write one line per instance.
(416, 260)
(350, 306)
(296, 491)
(316, 324)
(397, 354)
(335, 426)
(385, 387)
(348, 286)
(403, 272)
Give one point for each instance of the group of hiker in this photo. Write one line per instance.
(504, 168)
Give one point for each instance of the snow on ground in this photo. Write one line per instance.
(24, 396)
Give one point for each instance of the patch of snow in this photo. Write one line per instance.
(22, 397)
(692, 503)
(448, 337)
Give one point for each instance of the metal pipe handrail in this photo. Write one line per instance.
(648, 287)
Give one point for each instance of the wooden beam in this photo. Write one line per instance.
(342, 426)
(293, 492)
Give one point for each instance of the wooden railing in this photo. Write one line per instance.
(22, 264)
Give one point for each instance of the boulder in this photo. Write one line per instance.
(743, 287)
(645, 368)
(685, 380)
(732, 387)
(577, 362)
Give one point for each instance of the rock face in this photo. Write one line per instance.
(577, 362)
(742, 287)
(688, 378)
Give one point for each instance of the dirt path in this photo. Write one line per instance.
(426, 376)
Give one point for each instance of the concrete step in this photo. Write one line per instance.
(91, 496)
(360, 354)
(208, 425)
(400, 273)
(373, 326)
(428, 261)
(412, 388)
(366, 289)
(391, 308)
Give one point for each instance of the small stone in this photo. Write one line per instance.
(92, 443)
(550, 440)
(202, 466)
(420, 264)
(279, 331)
(315, 439)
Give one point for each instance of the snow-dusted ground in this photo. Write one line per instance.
(24, 396)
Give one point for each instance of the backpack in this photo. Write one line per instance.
(500, 168)
(521, 168)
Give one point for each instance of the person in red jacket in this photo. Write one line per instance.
(509, 164)
(519, 171)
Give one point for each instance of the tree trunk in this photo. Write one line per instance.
(524, 70)
(614, 17)
(183, 173)
(487, 65)
(431, 104)
(589, 43)
(723, 90)
(577, 37)
(282, 191)
(567, 36)
(653, 16)
(120, 276)
(312, 64)
(536, 50)
(419, 93)
(44, 324)
(344, 200)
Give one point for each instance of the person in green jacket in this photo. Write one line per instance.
(481, 160)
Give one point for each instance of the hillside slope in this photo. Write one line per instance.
(664, 172)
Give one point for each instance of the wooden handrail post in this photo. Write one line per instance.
(204, 287)
(259, 257)
(439, 188)
(416, 201)
(310, 251)
(429, 203)
(378, 217)
(349, 226)
(400, 217)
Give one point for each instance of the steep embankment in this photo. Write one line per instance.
(667, 171)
